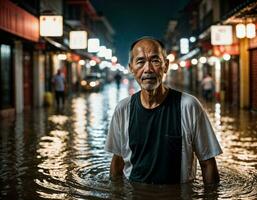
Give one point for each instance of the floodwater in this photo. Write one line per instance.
(51, 154)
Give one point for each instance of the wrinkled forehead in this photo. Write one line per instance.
(147, 47)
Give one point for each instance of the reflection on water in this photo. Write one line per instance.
(49, 154)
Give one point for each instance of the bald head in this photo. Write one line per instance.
(146, 40)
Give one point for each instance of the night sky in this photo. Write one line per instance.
(132, 19)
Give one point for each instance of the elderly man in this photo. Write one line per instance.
(156, 134)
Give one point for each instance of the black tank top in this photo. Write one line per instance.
(155, 140)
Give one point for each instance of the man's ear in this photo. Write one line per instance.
(130, 68)
(166, 65)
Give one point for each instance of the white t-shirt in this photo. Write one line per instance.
(198, 138)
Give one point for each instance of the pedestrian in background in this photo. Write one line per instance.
(118, 78)
(59, 87)
(208, 87)
(156, 134)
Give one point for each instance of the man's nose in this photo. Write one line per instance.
(148, 67)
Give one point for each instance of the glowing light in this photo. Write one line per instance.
(240, 31)
(171, 57)
(194, 61)
(192, 39)
(101, 52)
(114, 59)
(93, 45)
(78, 40)
(108, 54)
(221, 35)
(184, 45)
(203, 60)
(182, 63)
(250, 30)
(226, 57)
(83, 82)
(51, 26)
(62, 56)
(92, 63)
(82, 62)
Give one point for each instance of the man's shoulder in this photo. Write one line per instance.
(190, 103)
(123, 104)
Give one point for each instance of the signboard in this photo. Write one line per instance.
(51, 26)
(184, 45)
(221, 35)
(78, 39)
(93, 45)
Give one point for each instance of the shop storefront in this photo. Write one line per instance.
(253, 73)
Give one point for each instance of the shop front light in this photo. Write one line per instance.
(226, 57)
(250, 30)
(203, 60)
(240, 31)
(194, 61)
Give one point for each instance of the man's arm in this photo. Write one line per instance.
(117, 165)
(209, 171)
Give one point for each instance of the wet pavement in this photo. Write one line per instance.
(58, 154)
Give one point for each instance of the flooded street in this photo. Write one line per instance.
(50, 154)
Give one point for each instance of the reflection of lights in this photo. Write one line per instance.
(194, 61)
(182, 63)
(62, 56)
(82, 62)
(58, 119)
(171, 57)
(226, 57)
(202, 59)
(92, 63)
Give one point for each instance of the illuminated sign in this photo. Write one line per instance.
(184, 45)
(51, 26)
(221, 35)
(78, 39)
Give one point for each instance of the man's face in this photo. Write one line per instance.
(148, 64)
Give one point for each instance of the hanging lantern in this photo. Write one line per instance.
(250, 30)
(240, 31)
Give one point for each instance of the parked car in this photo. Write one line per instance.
(92, 82)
